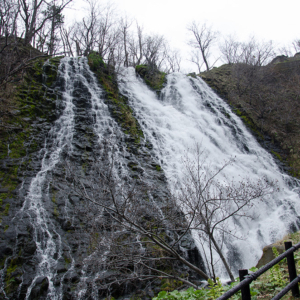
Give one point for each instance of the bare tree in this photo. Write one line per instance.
(130, 234)
(154, 50)
(173, 60)
(285, 50)
(296, 45)
(137, 46)
(196, 58)
(66, 36)
(85, 31)
(31, 14)
(9, 12)
(107, 32)
(56, 20)
(252, 52)
(138, 237)
(210, 203)
(124, 31)
(203, 38)
(230, 50)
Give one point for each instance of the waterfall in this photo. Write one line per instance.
(81, 99)
(46, 237)
(188, 112)
(60, 263)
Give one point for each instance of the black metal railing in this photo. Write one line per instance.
(246, 279)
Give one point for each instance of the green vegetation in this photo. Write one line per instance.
(10, 283)
(277, 155)
(67, 260)
(158, 167)
(55, 211)
(96, 62)
(6, 210)
(30, 99)
(213, 291)
(121, 111)
(153, 77)
(273, 281)
(265, 287)
(248, 122)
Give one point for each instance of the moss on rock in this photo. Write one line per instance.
(118, 103)
(34, 98)
(153, 77)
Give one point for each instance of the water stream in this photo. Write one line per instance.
(47, 240)
(76, 78)
(188, 113)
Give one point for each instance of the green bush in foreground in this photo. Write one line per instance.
(213, 291)
(266, 286)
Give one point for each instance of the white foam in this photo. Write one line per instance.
(191, 113)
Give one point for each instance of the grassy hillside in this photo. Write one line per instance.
(268, 101)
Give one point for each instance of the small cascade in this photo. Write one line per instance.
(189, 113)
(107, 131)
(46, 237)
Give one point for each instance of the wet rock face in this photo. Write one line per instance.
(44, 242)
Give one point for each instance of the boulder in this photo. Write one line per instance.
(268, 254)
(279, 59)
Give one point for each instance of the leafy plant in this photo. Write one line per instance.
(213, 291)
(277, 279)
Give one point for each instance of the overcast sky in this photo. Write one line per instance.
(267, 20)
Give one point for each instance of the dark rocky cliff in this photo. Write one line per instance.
(25, 137)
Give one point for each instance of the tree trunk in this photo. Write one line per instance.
(221, 256)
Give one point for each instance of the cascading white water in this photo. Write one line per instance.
(188, 113)
(75, 73)
(106, 128)
(47, 240)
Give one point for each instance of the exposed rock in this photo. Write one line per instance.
(39, 291)
(279, 59)
(268, 254)
(65, 223)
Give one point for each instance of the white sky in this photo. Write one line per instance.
(265, 19)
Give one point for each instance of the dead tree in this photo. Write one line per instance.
(203, 38)
(135, 236)
(296, 45)
(136, 46)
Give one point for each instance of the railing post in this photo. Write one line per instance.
(292, 268)
(246, 289)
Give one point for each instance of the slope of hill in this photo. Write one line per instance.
(267, 98)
